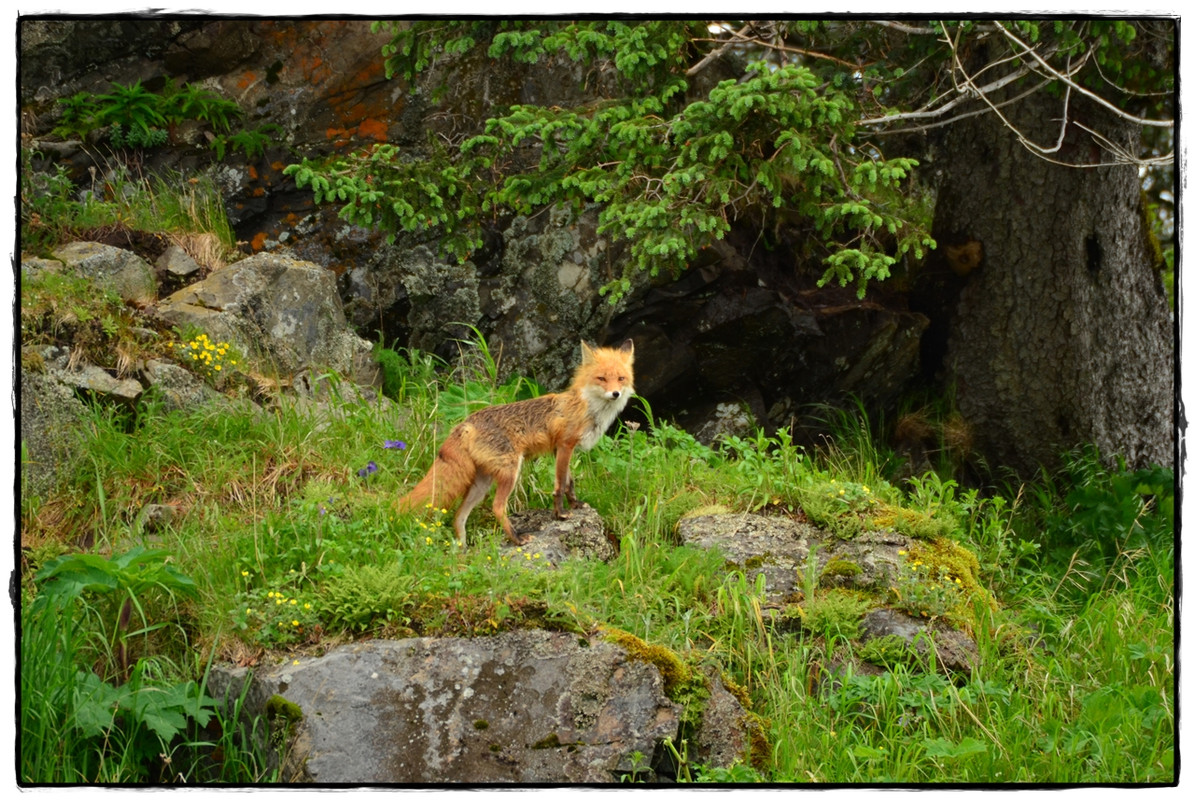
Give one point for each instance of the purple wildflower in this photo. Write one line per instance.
(394, 444)
(367, 470)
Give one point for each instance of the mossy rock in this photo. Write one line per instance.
(674, 672)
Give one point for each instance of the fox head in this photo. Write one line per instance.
(607, 373)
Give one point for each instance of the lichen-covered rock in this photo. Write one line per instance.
(775, 547)
(521, 707)
(582, 535)
(283, 311)
(177, 388)
(780, 550)
(113, 268)
(728, 733)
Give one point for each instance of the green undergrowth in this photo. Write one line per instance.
(186, 211)
(285, 541)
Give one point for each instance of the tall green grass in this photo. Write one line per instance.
(188, 209)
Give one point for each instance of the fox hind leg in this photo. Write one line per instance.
(506, 480)
(475, 494)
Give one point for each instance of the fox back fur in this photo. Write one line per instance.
(490, 445)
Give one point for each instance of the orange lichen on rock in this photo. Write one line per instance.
(372, 129)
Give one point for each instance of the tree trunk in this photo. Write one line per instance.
(1059, 330)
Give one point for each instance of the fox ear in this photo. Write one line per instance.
(586, 352)
(628, 347)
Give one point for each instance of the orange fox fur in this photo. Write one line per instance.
(491, 444)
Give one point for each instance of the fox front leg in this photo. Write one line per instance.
(564, 484)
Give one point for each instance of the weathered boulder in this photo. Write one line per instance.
(177, 264)
(97, 381)
(521, 707)
(727, 734)
(111, 268)
(175, 387)
(779, 548)
(582, 535)
(283, 311)
(533, 292)
(775, 547)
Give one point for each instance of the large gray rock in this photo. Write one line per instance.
(113, 268)
(284, 312)
(525, 706)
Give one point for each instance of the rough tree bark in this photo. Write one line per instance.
(1061, 333)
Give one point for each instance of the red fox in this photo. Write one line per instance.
(491, 444)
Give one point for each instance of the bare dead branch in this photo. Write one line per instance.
(1067, 80)
(736, 38)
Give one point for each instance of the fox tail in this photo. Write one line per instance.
(449, 478)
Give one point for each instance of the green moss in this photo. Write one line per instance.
(754, 562)
(674, 671)
(840, 567)
(283, 717)
(549, 742)
(942, 579)
(959, 561)
(912, 523)
(738, 692)
(279, 708)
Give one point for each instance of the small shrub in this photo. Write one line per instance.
(925, 590)
(888, 652)
(367, 596)
(139, 119)
(834, 614)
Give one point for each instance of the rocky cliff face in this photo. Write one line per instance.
(745, 329)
